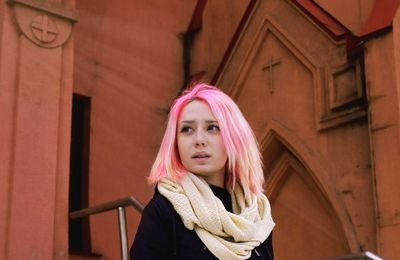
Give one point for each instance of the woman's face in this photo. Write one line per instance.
(200, 145)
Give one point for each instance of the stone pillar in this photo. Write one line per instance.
(36, 55)
(381, 69)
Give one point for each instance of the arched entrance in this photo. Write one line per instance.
(307, 226)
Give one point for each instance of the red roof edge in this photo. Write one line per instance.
(380, 18)
(324, 19)
(233, 41)
(197, 17)
(379, 22)
(330, 24)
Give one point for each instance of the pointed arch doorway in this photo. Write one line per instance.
(307, 226)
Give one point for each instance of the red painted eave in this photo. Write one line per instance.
(197, 17)
(330, 25)
(380, 18)
(326, 21)
(233, 42)
(379, 21)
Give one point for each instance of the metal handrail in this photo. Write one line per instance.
(366, 255)
(120, 206)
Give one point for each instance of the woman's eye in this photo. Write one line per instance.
(213, 128)
(186, 129)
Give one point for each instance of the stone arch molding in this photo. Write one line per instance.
(319, 171)
(44, 23)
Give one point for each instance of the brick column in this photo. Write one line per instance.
(36, 51)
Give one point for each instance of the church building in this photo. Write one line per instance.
(85, 91)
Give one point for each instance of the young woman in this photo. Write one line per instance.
(209, 201)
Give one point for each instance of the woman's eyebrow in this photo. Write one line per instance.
(193, 121)
(187, 122)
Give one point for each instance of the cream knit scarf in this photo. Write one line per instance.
(227, 235)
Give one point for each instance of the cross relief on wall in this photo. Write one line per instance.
(45, 25)
(270, 67)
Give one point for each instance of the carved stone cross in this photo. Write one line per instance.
(44, 29)
(270, 66)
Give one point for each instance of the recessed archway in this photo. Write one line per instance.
(308, 226)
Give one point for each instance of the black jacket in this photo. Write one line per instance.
(162, 234)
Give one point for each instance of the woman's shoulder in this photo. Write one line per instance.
(154, 237)
(159, 205)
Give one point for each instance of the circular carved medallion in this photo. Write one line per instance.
(44, 29)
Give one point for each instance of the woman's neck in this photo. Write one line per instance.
(217, 180)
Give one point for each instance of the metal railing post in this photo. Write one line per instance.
(123, 233)
(113, 205)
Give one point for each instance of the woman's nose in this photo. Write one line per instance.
(200, 139)
(200, 144)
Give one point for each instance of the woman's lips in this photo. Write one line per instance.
(201, 157)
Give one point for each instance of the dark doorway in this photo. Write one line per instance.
(79, 234)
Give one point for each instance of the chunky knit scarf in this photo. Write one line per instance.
(227, 235)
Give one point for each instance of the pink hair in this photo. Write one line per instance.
(244, 161)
